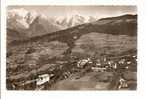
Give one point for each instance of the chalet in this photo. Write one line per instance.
(43, 79)
(83, 62)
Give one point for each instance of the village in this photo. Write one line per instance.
(63, 70)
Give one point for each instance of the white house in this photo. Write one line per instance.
(81, 63)
(43, 79)
(98, 69)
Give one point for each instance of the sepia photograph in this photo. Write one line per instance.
(71, 47)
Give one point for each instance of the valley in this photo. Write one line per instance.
(108, 46)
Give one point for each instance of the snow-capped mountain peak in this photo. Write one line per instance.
(73, 20)
(30, 22)
(20, 18)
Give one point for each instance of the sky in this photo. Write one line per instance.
(95, 11)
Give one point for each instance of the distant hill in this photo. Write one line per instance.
(127, 16)
(15, 35)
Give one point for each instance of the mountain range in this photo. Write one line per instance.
(30, 23)
(23, 24)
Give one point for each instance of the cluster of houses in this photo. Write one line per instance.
(114, 63)
(97, 65)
